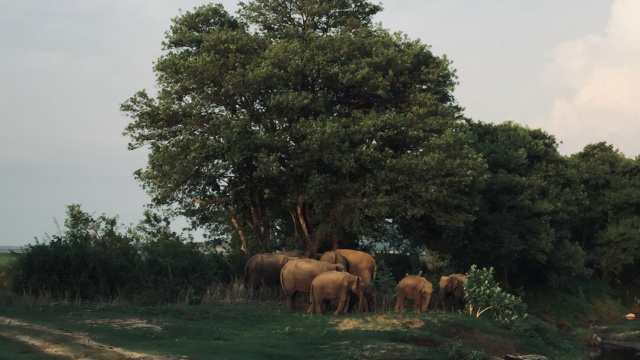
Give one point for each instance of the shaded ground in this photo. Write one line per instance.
(250, 330)
(492, 345)
(64, 344)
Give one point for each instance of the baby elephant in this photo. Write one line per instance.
(332, 285)
(415, 288)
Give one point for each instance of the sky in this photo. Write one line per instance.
(568, 67)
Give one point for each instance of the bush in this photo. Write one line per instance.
(484, 295)
(459, 351)
(93, 260)
(385, 285)
(173, 270)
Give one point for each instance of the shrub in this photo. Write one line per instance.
(385, 285)
(483, 294)
(91, 259)
(459, 351)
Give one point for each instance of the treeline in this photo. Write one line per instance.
(96, 259)
(543, 213)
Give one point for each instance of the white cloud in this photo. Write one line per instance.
(600, 76)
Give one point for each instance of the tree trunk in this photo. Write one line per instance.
(302, 210)
(261, 228)
(335, 241)
(243, 241)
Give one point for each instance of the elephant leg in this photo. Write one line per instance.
(289, 301)
(428, 301)
(316, 305)
(363, 305)
(312, 305)
(319, 305)
(416, 305)
(341, 304)
(346, 307)
(400, 303)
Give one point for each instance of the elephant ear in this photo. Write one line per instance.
(452, 283)
(444, 282)
(455, 283)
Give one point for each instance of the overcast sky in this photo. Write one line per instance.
(570, 67)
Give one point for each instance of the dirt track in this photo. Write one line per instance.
(63, 344)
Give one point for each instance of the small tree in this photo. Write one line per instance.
(483, 294)
(385, 285)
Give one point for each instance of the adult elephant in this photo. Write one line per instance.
(296, 276)
(360, 264)
(333, 285)
(452, 291)
(333, 257)
(264, 269)
(415, 288)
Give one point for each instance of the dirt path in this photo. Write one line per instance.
(67, 345)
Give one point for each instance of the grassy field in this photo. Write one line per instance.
(6, 259)
(259, 330)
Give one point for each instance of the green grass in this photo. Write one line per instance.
(6, 259)
(263, 330)
(19, 351)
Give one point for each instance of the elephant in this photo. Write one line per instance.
(296, 276)
(332, 285)
(452, 290)
(263, 269)
(370, 296)
(360, 264)
(333, 257)
(415, 288)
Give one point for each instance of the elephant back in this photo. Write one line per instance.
(333, 257)
(360, 264)
(297, 274)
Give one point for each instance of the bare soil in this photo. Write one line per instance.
(493, 346)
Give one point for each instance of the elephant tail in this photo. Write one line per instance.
(282, 283)
(311, 294)
(375, 268)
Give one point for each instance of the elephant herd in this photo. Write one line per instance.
(344, 275)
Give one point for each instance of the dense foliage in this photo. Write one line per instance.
(303, 124)
(93, 259)
(608, 226)
(483, 294)
(530, 198)
(300, 121)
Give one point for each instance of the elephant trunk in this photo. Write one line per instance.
(361, 301)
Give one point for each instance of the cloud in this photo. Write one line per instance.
(599, 77)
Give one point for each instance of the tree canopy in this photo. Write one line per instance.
(301, 121)
(529, 201)
(304, 124)
(608, 225)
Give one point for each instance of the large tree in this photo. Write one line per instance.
(607, 226)
(529, 201)
(302, 119)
